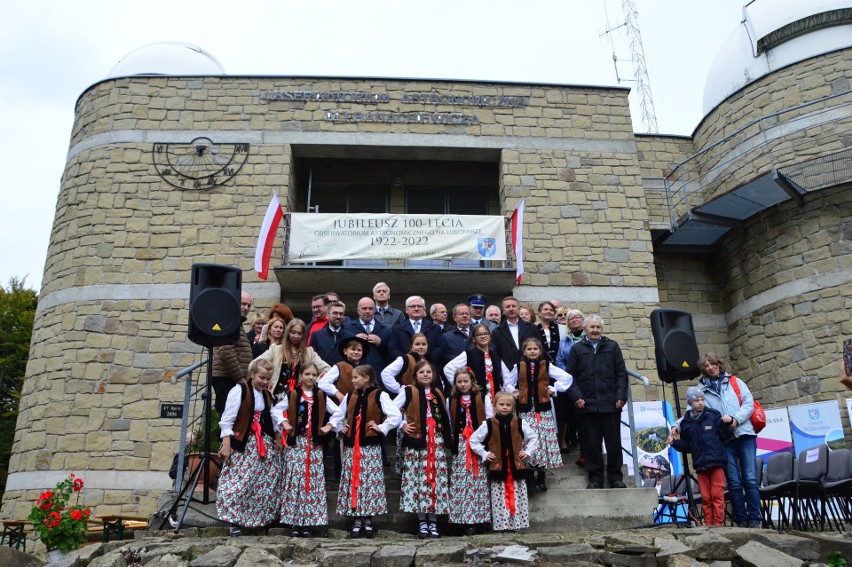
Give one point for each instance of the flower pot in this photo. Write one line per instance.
(194, 461)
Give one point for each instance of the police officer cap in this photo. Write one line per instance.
(477, 299)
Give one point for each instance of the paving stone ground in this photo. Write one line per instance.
(662, 546)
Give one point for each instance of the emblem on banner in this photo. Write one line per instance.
(813, 414)
(486, 247)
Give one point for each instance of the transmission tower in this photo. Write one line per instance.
(640, 69)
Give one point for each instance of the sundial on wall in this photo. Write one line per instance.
(199, 164)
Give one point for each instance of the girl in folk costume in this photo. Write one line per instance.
(536, 381)
(248, 493)
(287, 356)
(337, 382)
(426, 429)
(468, 408)
(365, 417)
(302, 415)
(482, 358)
(400, 372)
(505, 443)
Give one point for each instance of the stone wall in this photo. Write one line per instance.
(787, 281)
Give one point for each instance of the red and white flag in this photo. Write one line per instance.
(266, 238)
(518, 239)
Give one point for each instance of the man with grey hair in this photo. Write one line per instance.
(438, 314)
(493, 314)
(599, 392)
(384, 312)
(230, 362)
(415, 322)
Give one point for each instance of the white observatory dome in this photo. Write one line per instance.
(772, 35)
(167, 58)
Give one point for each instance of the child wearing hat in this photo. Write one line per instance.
(703, 433)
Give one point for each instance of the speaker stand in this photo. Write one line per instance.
(203, 470)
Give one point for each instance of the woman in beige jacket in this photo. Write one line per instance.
(288, 356)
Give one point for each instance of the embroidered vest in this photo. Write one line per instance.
(458, 416)
(476, 360)
(505, 434)
(297, 415)
(533, 392)
(368, 406)
(245, 416)
(344, 378)
(415, 413)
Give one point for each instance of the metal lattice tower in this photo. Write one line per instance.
(640, 70)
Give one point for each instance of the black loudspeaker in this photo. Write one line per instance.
(674, 345)
(214, 304)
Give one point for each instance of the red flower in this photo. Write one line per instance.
(44, 501)
(52, 520)
(87, 512)
(78, 484)
(76, 515)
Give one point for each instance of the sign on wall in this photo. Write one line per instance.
(816, 424)
(322, 237)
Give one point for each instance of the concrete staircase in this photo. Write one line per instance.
(566, 503)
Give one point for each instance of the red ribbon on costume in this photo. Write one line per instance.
(509, 486)
(291, 382)
(310, 442)
(471, 462)
(431, 459)
(255, 427)
(489, 375)
(356, 462)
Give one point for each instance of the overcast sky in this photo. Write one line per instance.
(50, 52)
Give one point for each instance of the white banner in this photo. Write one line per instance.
(321, 237)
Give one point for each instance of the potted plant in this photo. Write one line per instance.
(196, 447)
(60, 527)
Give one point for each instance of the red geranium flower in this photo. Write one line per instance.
(78, 484)
(76, 515)
(52, 520)
(44, 501)
(87, 512)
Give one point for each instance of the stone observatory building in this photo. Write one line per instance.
(746, 224)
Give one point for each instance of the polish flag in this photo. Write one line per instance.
(266, 238)
(518, 239)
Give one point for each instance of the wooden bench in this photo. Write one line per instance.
(14, 530)
(118, 522)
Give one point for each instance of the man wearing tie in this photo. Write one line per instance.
(457, 337)
(367, 327)
(511, 333)
(384, 312)
(401, 333)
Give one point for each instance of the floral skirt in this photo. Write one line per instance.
(300, 507)
(416, 494)
(501, 518)
(469, 495)
(249, 486)
(371, 499)
(547, 456)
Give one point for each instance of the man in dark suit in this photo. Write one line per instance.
(510, 335)
(416, 322)
(384, 312)
(326, 340)
(457, 337)
(373, 331)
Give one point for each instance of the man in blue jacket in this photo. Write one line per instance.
(599, 392)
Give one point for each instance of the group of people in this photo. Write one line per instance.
(470, 406)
